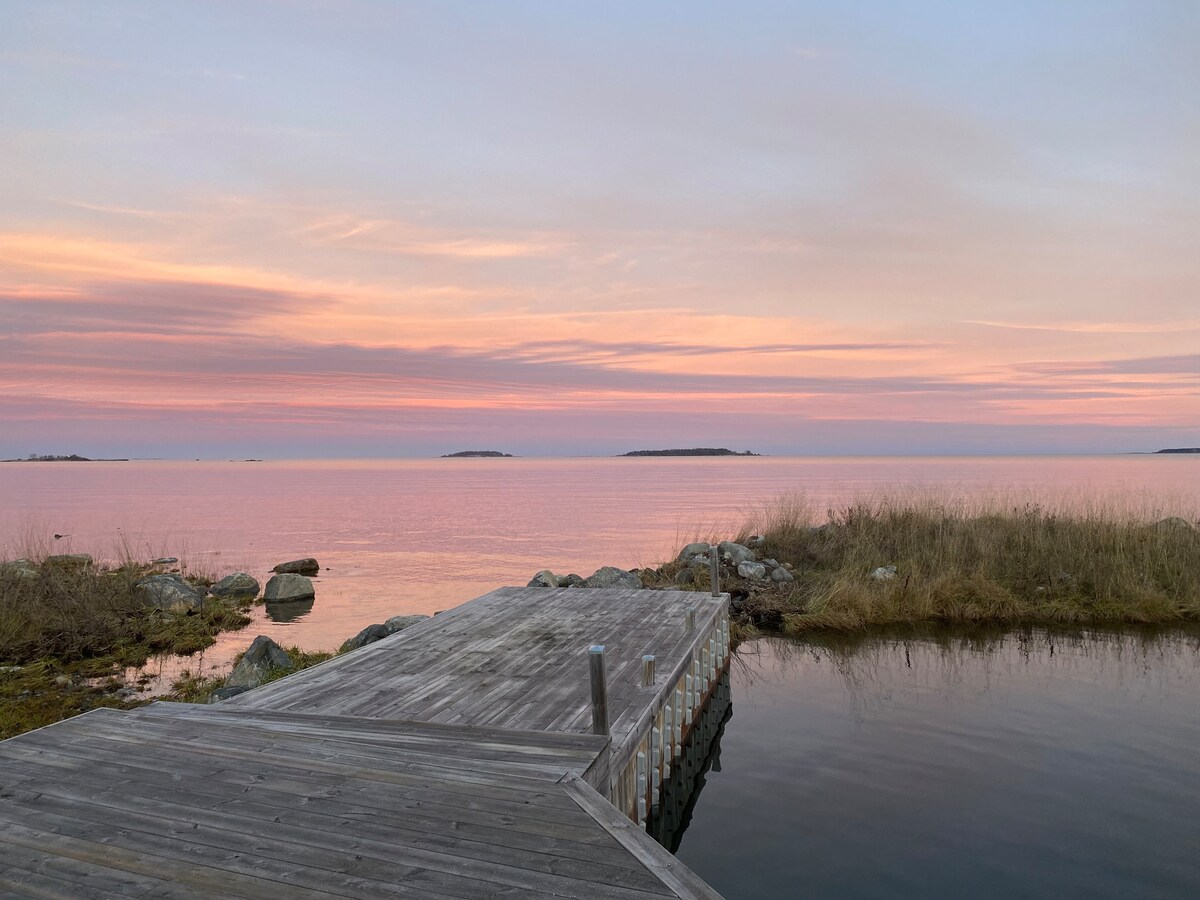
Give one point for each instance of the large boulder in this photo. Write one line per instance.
(168, 592)
(780, 575)
(285, 588)
(544, 578)
(262, 659)
(306, 566)
(612, 577)
(399, 623)
(571, 580)
(238, 585)
(734, 554)
(753, 570)
(698, 548)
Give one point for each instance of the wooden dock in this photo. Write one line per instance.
(458, 758)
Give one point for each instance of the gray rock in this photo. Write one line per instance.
(736, 553)
(224, 693)
(282, 588)
(1175, 522)
(368, 635)
(780, 575)
(698, 562)
(544, 578)
(884, 573)
(754, 570)
(399, 623)
(306, 566)
(771, 563)
(239, 584)
(699, 548)
(685, 576)
(262, 659)
(168, 592)
(756, 541)
(571, 580)
(21, 569)
(69, 560)
(671, 587)
(610, 576)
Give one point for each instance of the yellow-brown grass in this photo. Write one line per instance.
(981, 562)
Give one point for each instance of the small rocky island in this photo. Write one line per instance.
(1180, 450)
(694, 451)
(490, 454)
(73, 457)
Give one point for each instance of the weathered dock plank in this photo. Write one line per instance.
(454, 760)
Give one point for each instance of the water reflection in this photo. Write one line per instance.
(291, 611)
(701, 754)
(943, 764)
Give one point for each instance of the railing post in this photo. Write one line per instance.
(599, 689)
(714, 569)
(691, 619)
(648, 670)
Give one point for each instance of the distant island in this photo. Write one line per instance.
(1180, 450)
(694, 451)
(466, 453)
(74, 457)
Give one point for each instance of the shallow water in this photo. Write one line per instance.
(1013, 765)
(417, 536)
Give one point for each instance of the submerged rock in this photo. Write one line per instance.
(262, 659)
(164, 560)
(239, 584)
(287, 587)
(306, 566)
(168, 592)
(612, 577)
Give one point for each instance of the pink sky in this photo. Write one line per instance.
(402, 230)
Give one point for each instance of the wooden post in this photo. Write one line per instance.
(599, 689)
(714, 569)
(691, 619)
(648, 670)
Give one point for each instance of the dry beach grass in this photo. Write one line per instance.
(69, 631)
(981, 561)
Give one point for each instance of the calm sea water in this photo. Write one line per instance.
(1013, 766)
(405, 536)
